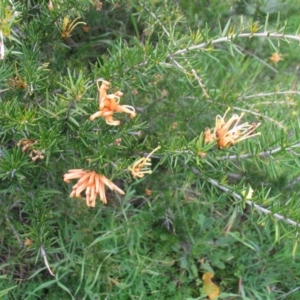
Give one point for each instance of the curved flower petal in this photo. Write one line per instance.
(92, 183)
(102, 90)
(126, 109)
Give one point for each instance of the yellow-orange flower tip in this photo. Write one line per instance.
(73, 174)
(142, 165)
(92, 183)
(231, 132)
(128, 109)
(95, 115)
(110, 121)
(208, 136)
(119, 94)
(68, 26)
(104, 83)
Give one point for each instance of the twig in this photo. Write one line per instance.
(261, 154)
(257, 58)
(269, 94)
(200, 84)
(240, 285)
(230, 38)
(252, 204)
(157, 19)
(257, 114)
(289, 293)
(276, 102)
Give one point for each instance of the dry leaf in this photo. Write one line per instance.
(211, 289)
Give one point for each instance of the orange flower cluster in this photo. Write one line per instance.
(142, 165)
(27, 145)
(227, 136)
(97, 4)
(108, 104)
(92, 183)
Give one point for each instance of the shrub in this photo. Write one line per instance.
(180, 117)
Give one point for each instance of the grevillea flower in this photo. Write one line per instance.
(231, 132)
(109, 104)
(33, 153)
(276, 57)
(68, 26)
(142, 165)
(92, 183)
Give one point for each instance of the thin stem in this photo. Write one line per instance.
(257, 58)
(252, 204)
(268, 94)
(261, 154)
(157, 20)
(230, 38)
(289, 293)
(202, 86)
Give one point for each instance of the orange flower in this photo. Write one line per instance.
(276, 57)
(97, 4)
(141, 166)
(28, 242)
(93, 184)
(109, 104)
(227, 137)
(148, 192)
(36, 154)
(28, 145)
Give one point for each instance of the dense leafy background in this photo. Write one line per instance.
(148, 246)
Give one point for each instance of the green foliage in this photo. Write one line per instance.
(180, 64)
